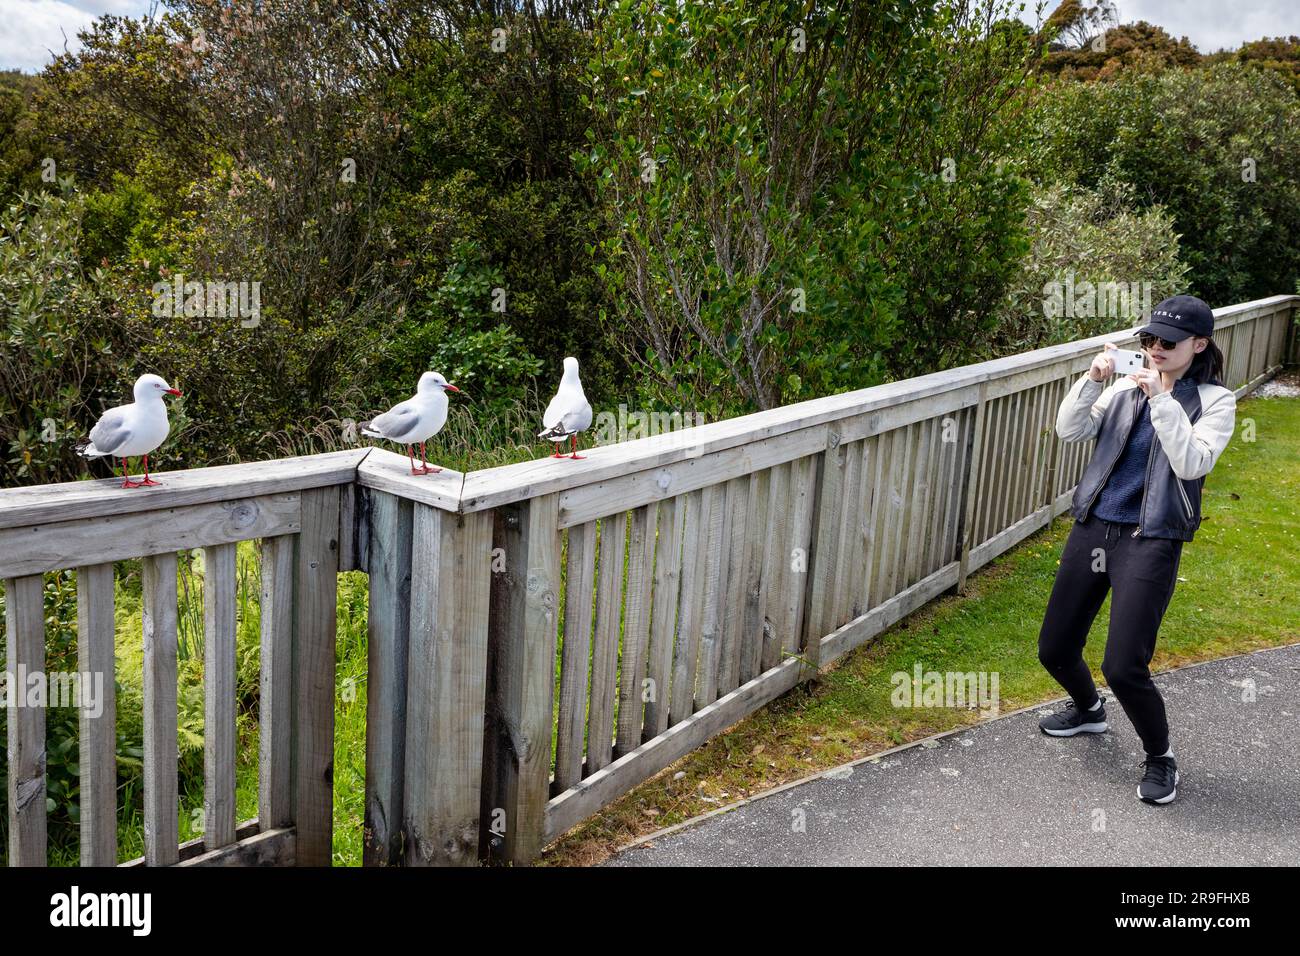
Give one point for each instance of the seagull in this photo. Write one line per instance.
(417, 419)
(130, 431)
(569, 412)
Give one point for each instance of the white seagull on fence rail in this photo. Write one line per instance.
(134, 430)
(569, 412)
(415, 420)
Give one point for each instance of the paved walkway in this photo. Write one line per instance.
(1003, 792)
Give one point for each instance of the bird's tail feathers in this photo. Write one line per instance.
(556, 432)
(86, 449)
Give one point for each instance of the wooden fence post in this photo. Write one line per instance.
(446, 685)
(523, 624)
(388, 644)
(315, 609)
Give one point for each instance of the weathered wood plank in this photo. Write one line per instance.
(690, 612)
(97, 729)
(663, 624)
(604, 660)
(636, 627)
(524, 624)
(25, 777)
(161, 825)
(32, 549)
(656, 484)
(451, 567)
(388, 629)
(715, 583)
(78, 500)
(219, 598)
(389, 472)
(775, 573)
(731, 607)
(755, 591)
(275, 701)
(193, 848)
(799, 556)
(897, 542)
(268, 848)
(971, 487)
(315, 611)
(579, 589)
(824, 550)
(845, 536)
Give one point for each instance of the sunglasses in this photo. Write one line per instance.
(1146, 340)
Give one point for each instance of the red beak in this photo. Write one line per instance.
(173, 391)
(452, 388)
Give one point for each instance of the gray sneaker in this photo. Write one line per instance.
(1073, 720)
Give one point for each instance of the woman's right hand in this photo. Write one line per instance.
(1103, 366)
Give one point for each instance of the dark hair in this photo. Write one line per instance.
(1207, 366)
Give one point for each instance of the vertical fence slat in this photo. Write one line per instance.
(161, 826)
(731, 596)
(604, 661)
(25, 790)
(388, 630)
(219, 597)
(315, 610)
(663, 623)
(275, 701)
(97, 755)
(451, 570)
(579, 585)
(825, 544)
(845, 535)
(775, 566)
(690, 615)
(973, 470)
(636, 628)
(523, 625)
(715, 582)
(798, 556)
(755, 604)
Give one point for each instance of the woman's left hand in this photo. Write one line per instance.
(1149, 380)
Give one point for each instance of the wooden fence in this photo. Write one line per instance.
(543, 636)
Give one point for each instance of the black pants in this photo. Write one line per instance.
(1140, 573)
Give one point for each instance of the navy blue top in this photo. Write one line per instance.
(1121, 497)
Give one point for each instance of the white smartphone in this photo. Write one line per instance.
(1126, 362)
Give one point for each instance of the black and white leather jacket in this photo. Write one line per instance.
(1192, 430)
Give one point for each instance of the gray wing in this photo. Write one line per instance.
(110, 432)
(397, 422)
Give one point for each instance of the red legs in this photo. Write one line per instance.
(575, 448)
(428, 468)
(147, 479)
(411, 457)
(126, 477)
(558, 453)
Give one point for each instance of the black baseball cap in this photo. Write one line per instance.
(1180, 317)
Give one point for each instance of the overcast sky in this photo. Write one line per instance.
(30, 29)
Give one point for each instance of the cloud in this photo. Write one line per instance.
(35, 30)
(1203, 21)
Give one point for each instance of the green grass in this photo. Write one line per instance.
(1236, 589)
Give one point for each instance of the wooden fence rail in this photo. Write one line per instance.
(543, 636)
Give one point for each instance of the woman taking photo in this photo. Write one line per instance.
(1159, 432)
